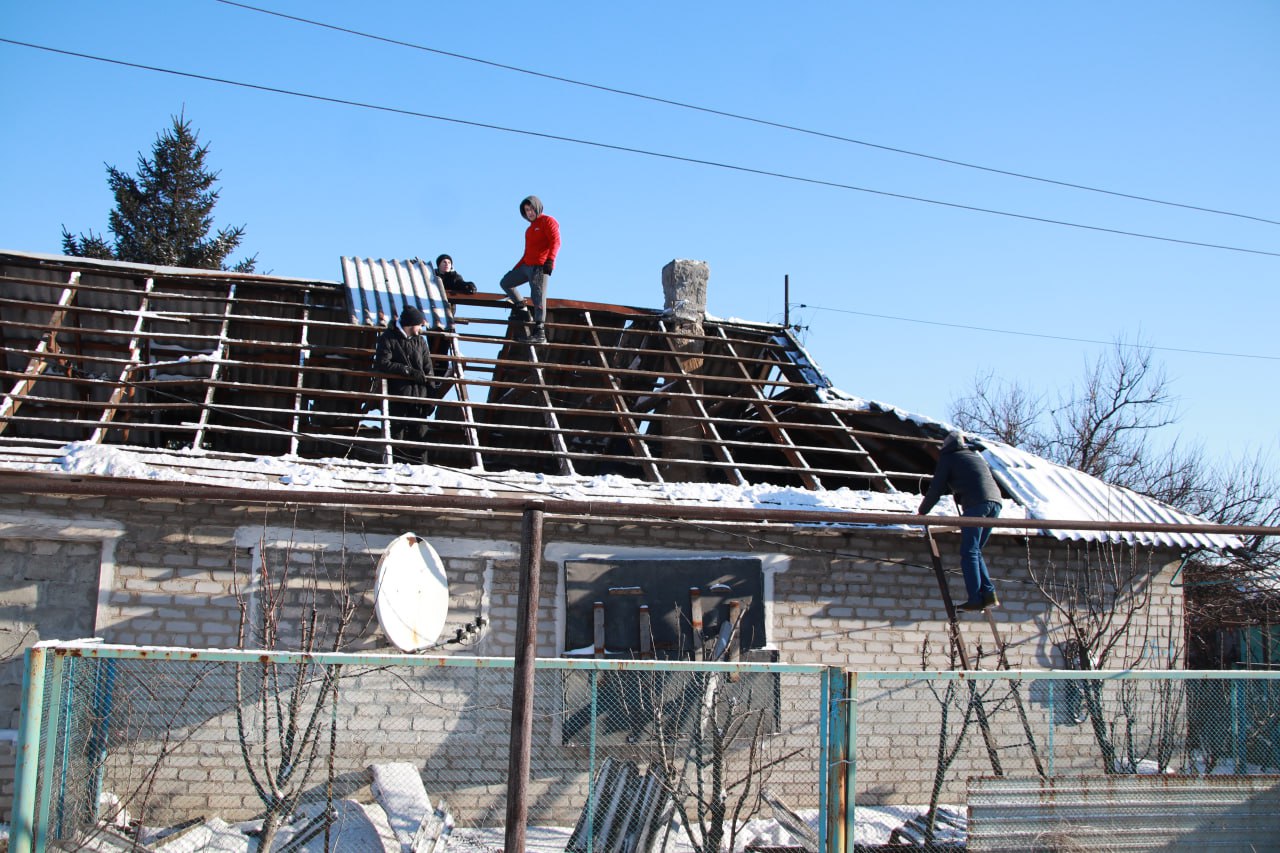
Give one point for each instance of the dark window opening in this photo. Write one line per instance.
(711, 610)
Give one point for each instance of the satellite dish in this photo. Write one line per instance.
(411, 596)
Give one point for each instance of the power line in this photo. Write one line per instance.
(745, 118)
(629, 150)
(1039, 335)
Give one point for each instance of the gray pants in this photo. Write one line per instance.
(537, 281)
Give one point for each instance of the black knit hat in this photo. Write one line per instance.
(412, 316)
(441, 259)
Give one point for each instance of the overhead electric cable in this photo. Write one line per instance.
(629, 150)
(741, 117)
(1039, 335)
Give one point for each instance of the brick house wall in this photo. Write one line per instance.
(165, 572)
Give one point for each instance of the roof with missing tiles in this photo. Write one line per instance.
(176, 367)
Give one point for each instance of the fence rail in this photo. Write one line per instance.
(163, 749)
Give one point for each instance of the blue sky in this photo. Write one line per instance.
(1168, 100)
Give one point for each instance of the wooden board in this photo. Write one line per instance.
(411, 596)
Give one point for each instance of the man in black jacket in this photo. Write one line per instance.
(451, 278)
(964, 472)
(402, 353)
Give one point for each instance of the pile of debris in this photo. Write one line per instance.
(401, 819)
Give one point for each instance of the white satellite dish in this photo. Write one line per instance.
(411, 597)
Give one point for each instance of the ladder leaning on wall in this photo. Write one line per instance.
(1002, 662)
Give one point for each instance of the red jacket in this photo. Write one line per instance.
(541, 241)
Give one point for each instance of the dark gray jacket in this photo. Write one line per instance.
(966, 474)
(408, 360)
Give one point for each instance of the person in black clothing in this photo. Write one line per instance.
(963, 471)
(402, 353)
(451, 278)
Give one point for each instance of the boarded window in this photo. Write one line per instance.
(710, 609)
(667, 588)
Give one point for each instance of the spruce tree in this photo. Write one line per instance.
(163, 215)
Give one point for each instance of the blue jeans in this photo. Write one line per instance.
(977, 580)
(537, 281)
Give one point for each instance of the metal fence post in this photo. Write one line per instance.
(1053, 724)
(52, 728)
(592, 793)
(850, 705)
(835, 785)
(28, 758)
(526, 655)
(1237, 717)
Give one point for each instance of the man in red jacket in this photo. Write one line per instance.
(541, 244)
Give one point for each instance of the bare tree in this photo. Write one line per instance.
(1004, 411)
(1113, 424)
(279, 708)
(1098, 593)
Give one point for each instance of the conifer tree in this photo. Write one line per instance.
(163, 215)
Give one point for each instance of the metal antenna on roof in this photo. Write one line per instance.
(786, 306)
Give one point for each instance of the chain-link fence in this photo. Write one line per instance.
(169, 750)
(1022, 761)
(352, 752)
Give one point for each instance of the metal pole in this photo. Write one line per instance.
(786, 302)
(835, 786)
(849, 840)
(1053, 723)
(526, 654)
(28, 759)
(593, 796)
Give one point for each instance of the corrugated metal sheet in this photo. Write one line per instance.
(378, 290)
(1051, 491)
(1125, 812)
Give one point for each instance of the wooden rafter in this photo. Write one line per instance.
(625, 418)
(772, 424)
(299, 397)
(41, 357)
(124, 385)
(197, 441)
(717, 443)
(614, 392)
(549, 413)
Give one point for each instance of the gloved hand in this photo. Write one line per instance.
(469, 286)
(424, 378)
(548, 266)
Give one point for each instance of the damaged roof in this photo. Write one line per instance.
(185, 364)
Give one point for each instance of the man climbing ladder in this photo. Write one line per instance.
(963, 470)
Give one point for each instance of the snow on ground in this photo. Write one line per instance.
(872, 826)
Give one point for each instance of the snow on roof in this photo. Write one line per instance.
(1040, 489)
(1051, 491)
